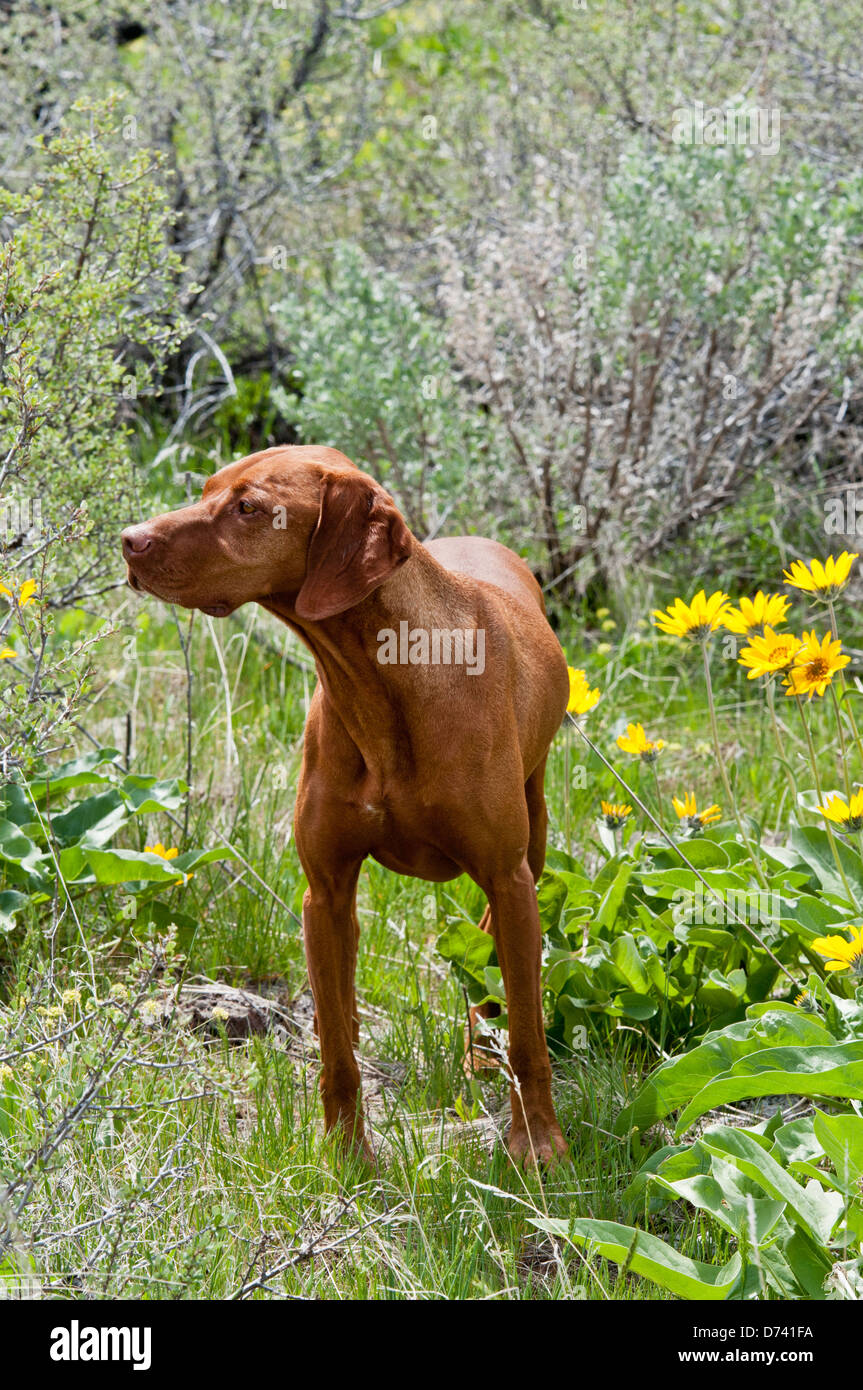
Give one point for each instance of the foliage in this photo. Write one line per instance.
(87, 319)
(57, 847)
(372, 377)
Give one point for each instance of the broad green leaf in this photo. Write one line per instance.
(739, 1206)
(96, 817)
(841, 1137)
(80, 772)
(813, 846)
(608, 909)
(463, 943)
(816, 1209)
(779, 1071)
(146, 794)
(17, 847)
(676, 1081)
(648, 1256)
(11, 903)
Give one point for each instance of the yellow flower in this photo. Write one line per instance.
(769, 653)
(615, 813)
(821, 580)
(757, 612)
(844, 955)
(690, 817)
(25, 593)
(695, 620)
(848, 816)
(815, 665)
(581, 697)
(636, 743)
(7, 654)
(602, 612)
(167, 854)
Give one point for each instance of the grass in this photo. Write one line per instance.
(198, 1168)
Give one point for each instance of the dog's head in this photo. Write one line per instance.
(301, 525)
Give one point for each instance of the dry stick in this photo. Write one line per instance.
(732, 912)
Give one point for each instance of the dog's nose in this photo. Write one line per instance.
(136, 539)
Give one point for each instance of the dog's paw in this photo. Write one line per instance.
(544, 1145)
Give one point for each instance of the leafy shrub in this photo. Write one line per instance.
(57, 846)
(374, 379)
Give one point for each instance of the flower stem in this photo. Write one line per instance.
(842, 744)
(845, 687)
(814, 763)
(659, 814)
(725, 782)
(780, 743)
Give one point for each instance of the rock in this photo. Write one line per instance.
(211, 1007)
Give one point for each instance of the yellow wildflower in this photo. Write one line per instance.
(690, 817)
(695, 620)
(581, 697)
(815, 665)
(843, 955)
(757, 612)
(615, 813)
(823, 581)
(847, 815)
(769, 653)
(638, 745)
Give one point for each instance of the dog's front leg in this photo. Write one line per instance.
(330, 931)
(535, 1134)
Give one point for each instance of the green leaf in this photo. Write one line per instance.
(648, 1256)
(817, 1210)
(740, 1207)
(813, 846)
(17, 847)
(80, 772)
(11, 903)
(777, 1071)
(465, 945)
(98, 818)
(145, 794)
(841, 1137)
(676, 1081)
(609, 908)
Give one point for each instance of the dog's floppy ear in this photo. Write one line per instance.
(359, 541)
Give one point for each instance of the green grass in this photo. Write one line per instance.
(201, 1170)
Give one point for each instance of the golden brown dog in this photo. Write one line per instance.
(417, 751)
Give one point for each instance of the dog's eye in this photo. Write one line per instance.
(246, 508)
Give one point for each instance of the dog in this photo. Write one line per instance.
(431, 764)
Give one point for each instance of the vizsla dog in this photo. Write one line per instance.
(428, 761)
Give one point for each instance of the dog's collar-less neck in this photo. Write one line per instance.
(366, 695)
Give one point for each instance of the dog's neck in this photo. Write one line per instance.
(371, 698)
